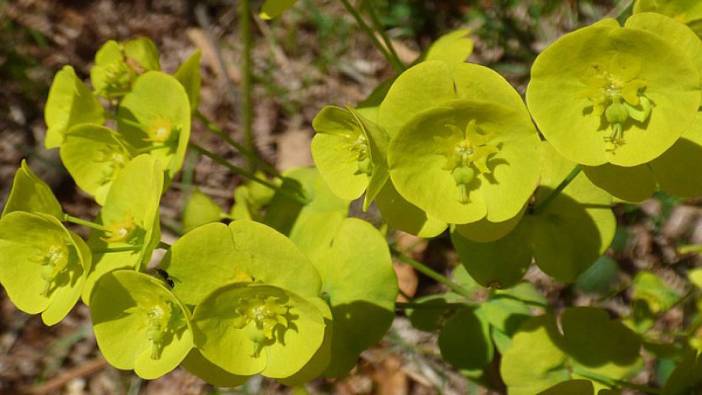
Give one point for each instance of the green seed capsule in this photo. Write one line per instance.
(463, 175)
(617, 112)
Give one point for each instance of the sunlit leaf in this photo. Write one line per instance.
(30, 193)
(139, 324)
(70, 103)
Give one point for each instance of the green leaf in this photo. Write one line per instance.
(651, 289)
(600, 277)
(586, 344)
(687, 376)
(201, 367)
(598, 344)
(311, 227)
(359, 282)
(424, 162)
(155, 117)
(672, 169)
(189, 75)
(453, 154)
(403, 215)
(504, 313)
(669, 172)
(244, 251)
(70, 103)
(131, 216)
(250, 199)
(111, 76)
(572, 387)
(349, 151)
(465, 342)
(199, 210)
(630, 184)
(251, 329)
(485, 231)
(534, 361)
(684, 10)
(406, 97)
(143, 51)
(30, 193)
(434, 312)
(453, 48)
(564, 239)
(567, 94)
(139, 324)
(576, 228)
(42, 264)
(670, 30)
(497, 264)
(273, 8)
(94, 156)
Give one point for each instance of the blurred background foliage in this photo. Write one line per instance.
(312, 56)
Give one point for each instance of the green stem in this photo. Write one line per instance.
(246, 104)
(399, 67)
(117, 249)
(247, 174)
(690, 249)
(383, 34)
(82, 222)
(608, 381)
(429, 272)
(163, 245)
(250, 155)
(540, 207)
(429, 306)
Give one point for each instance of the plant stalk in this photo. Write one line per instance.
(82, 222)
(251, 156)
(383, 34)
(429, 272)
(539, 208)
(247, 174)
(246, 104)
(430, 306)
(396, 64)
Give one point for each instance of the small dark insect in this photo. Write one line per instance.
(164, 275)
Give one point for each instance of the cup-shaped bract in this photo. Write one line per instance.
(400, 214)
(612, 94)
(463, 146)
(273, 8)
(70, 103)
(453, 48)
(189, 75)
(672, 31)
(583, 343)
(139, 324)
(250, 328)
(155, 117)
(130, 217)
(243, 251)
(313, 225)
(686, 11)
(466, 160)
(43, 265)
(31, 194)
(350, 152)
(250, 198)
(669, 173)
(94, 156)
(199, 210)
(564, 239)
(118, 64)
(360, 284)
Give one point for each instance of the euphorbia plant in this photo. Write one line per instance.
(292, 288)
